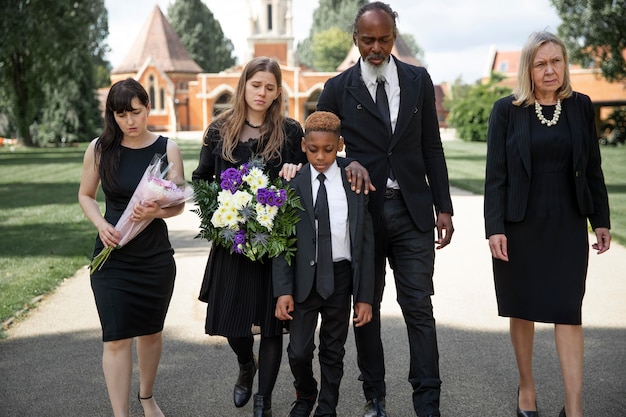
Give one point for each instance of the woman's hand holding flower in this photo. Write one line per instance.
(109, 235)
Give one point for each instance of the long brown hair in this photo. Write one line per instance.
(272, 135)
(107, 149)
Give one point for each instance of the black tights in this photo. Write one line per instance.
(270, 354)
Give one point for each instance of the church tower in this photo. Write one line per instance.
(271, 32)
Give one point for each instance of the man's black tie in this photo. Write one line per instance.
(383, 107)
(325, 276)
(383, 103)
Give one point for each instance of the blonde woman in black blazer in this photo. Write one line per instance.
(543, 183)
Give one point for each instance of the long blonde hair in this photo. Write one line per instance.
(272, 135)
(523, 92)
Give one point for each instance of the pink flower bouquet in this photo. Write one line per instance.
(152, 187)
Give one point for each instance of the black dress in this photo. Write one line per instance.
(134, 286)
(544, 280)
(238, 291)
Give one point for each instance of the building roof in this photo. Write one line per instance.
(400, 49)
(158, 41)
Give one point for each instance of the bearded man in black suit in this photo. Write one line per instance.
(389, 124)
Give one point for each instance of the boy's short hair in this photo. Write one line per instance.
(322, 121)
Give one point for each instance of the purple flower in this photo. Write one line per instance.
(281, 198)
(261, 195)
(271, 198)
(231, 180)
(239, 241)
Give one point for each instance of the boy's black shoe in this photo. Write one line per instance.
(303, 405)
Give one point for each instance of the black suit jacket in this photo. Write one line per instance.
(298, 279)
(509, 168)
(414, 152)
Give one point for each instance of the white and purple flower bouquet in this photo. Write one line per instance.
(247, 213)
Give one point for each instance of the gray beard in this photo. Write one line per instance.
(377, 70)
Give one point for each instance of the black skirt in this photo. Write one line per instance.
(239, 294)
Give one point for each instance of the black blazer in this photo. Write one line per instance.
(414, 152)
(298, 279)
(509, 168)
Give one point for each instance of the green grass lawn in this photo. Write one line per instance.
(466, 169)
(45, 238)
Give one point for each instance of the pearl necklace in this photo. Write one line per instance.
(541, 117)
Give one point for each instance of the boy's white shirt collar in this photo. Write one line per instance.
(332, 171)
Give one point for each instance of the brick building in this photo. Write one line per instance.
(185, 98)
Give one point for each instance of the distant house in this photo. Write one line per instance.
(185, 98)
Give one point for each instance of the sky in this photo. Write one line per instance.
(457, 36)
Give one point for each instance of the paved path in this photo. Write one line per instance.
(50, 362)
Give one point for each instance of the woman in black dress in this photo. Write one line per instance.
(543, 183)
(239, 291)
(134, 287)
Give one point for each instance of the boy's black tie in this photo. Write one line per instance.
(325, 276)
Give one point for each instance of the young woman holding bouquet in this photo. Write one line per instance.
(238, 290)
(133, 288)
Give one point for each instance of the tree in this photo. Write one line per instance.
(329, 14)
(330, 48)
(202, 35)
(469, 113)
(37, 59)
(595, 33)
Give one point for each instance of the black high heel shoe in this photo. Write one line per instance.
(525, 413)
(562, 413)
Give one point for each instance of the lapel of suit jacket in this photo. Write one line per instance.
(574, 122)
(352, 200)
(306, 192)
(522, 126)
(357, 88)
(409, 91)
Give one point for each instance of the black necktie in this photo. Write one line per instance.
(383, 103)
(325, 277)
(383, 107)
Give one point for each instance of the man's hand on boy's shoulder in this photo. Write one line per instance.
(358, 177)
(362, 314)
(284, 306)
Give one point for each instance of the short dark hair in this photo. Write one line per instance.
(377, 5)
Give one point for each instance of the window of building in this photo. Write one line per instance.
(503, 66)
(221, 103)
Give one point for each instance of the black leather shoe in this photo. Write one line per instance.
(375, 408)
(562, 413)
(303, 406)
(262, 406)
(524, 413)
(243, 387)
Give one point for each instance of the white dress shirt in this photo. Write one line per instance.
(392, 88)
(337, 210)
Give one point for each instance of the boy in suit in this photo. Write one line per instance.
(334, 260)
